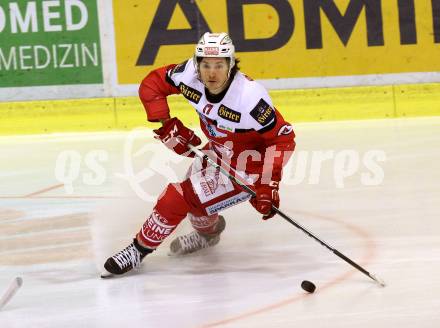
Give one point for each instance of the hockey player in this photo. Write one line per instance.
(243, 128)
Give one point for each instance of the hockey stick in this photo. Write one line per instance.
(10, 291)
(201, 155)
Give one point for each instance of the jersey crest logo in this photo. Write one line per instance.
(229, 114)
(189, 93)
(263, 113)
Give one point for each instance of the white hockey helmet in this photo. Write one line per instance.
(215, 45)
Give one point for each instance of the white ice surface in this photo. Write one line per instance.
(57, 238)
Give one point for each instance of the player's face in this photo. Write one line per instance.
(214, 73)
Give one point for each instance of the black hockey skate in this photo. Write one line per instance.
(126, 260)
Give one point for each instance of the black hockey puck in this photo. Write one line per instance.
(308, 286)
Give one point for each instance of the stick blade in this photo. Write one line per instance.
(381, 282)
(19, 281)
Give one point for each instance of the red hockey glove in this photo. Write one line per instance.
(176, 136)
(267, 195)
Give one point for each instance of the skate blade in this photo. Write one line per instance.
(176, 254)
(106, 275)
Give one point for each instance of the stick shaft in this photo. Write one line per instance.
(202, 155)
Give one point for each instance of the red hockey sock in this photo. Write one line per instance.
(171, 208)
(204, 224)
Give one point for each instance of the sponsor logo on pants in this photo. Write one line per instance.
(155, 230)
(224, 204)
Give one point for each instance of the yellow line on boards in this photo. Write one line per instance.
(302, 105)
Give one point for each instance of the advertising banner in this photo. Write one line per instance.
(46, 42)
(282, 39)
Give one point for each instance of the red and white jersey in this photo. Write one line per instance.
(241, 123)
(246, 105)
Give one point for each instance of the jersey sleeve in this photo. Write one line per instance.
(258, 105)
(176, 75)
(279, 141)
(277, 134)
(153, 92)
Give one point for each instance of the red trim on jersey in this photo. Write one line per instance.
(153, 92)
(284, 143)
